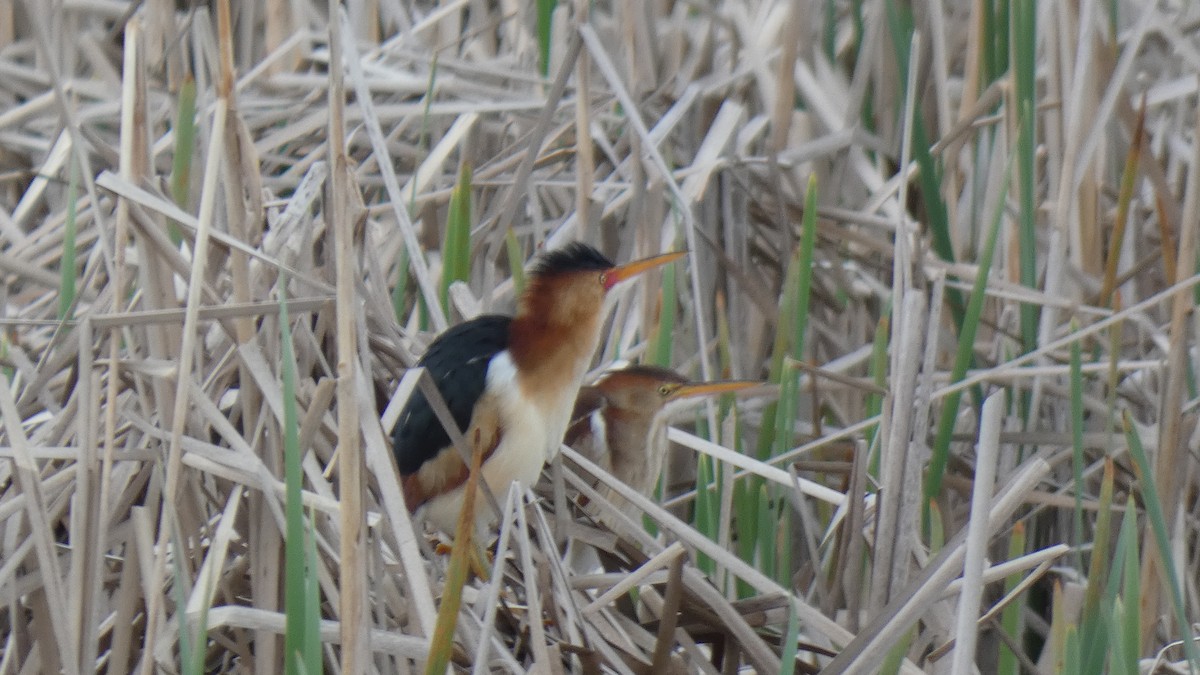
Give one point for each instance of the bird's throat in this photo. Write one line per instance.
(551, 358)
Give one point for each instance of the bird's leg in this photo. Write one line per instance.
(561, 516)
(467, 532)
(479, 560)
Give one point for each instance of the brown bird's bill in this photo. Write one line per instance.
(707, 388)
(629, 270)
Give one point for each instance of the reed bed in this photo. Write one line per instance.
(957, 242)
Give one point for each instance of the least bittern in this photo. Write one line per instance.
(509, 382)
(614, 420)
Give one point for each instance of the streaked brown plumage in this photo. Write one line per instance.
(614, 423)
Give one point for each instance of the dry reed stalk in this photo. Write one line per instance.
(1172, 424)
(168, 518)
(352, 567)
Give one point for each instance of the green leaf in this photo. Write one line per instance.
(1094, 632)
(966, 346)
(1158, 524)
(456, 250)
(545, 19)
(1077, 434)
(878, 370)
(808, 241)
(705, 517)
(787, 658)
(1024, 49)
(312, 661)
(766, 533)
(1118, 661)
(185, 150)
(296, 609)
(794, 315)
(1010, 617)
(664, 334)
(401, 287)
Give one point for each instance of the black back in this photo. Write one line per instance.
(457, 361)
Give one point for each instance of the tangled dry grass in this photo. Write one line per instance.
(143, 411)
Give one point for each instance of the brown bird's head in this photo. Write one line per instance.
(559, 316)
(568, 285)
(645, 390)
(614, 420)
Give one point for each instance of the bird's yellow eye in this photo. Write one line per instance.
(664, 390)
(603, 279)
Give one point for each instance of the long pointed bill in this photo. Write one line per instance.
(622, 272)
(709, 388)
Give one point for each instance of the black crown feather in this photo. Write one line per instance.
(574, 257)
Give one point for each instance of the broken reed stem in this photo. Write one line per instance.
(352, 568)
(167, 515)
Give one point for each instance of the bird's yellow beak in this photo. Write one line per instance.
(708, 388)
(622, 272)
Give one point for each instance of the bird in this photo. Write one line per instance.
(510, 383)
(613, 423)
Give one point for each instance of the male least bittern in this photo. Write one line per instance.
(509, 382)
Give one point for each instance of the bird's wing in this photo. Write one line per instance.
(446, 470)
(586, 432)
(458, 363)
(589, 400)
